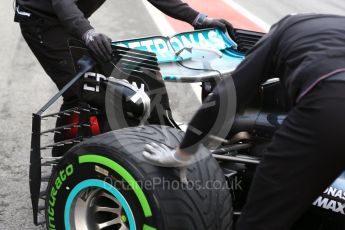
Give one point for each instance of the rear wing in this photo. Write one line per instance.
(169, 48)
(196, 56)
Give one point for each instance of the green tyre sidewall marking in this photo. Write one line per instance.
(84, 169)
(146, 227)
(124, 174)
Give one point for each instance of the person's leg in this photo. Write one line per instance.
(305, 156)
(50, 46)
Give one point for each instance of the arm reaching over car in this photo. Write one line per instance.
(306, 52)
(204, 22)
(182, 11)
(215, 116)
(72, 18)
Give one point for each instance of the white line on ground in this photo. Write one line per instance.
(158, 17)
(252, 17)
(167, 30)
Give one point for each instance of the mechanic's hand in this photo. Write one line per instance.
(99, 44)
(204, 22)
(161, 155)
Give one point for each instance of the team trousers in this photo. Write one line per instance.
(49, 43)
(306, 155)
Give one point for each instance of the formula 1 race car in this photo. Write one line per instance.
(102, 181)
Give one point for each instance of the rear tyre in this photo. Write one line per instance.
(105, 183)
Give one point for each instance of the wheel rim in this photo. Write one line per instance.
(97, 208)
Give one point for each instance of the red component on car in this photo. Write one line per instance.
(73, 132)
(94, 126)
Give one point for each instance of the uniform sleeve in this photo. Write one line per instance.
(246, 80)
(176, 9)
(257, 67)
(71, 17)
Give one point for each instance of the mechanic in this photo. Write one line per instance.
(307, 53)
(47, 25)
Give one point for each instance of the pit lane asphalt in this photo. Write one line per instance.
(24, 87)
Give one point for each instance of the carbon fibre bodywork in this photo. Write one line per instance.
(197, 56)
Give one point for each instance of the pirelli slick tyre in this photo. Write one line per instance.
(105, 183)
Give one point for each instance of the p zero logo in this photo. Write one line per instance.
(59, 182)
(96, 77)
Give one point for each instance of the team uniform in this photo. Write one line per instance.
(307, 53)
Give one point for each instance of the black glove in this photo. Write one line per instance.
(99, 44)
(203, 22)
